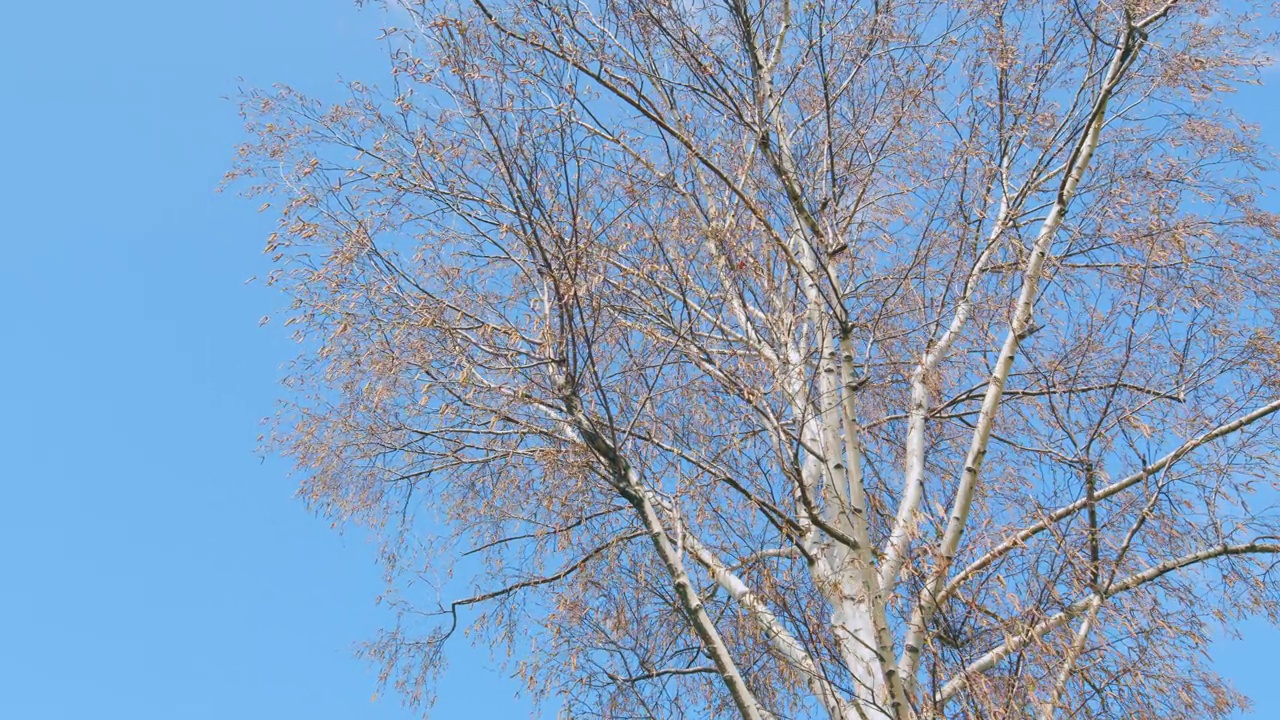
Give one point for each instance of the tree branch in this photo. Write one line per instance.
(989, 660)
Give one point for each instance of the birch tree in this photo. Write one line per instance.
(845, 359)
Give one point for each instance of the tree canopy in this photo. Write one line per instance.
(856, 359)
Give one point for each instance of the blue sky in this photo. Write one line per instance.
(153, 566)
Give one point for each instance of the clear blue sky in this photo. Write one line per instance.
(151, 566)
